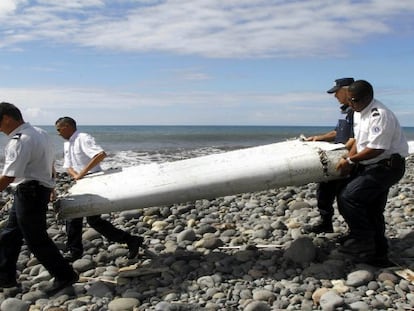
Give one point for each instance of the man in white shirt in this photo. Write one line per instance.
(82, 156)
(376, 162)
(343, 131)
(28, 168)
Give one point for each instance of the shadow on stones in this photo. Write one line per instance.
(185, 271)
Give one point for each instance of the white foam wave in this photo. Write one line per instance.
(132, 158)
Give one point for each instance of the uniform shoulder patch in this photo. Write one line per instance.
(17, 136)
(375, 112)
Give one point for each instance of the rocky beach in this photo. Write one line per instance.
(242, 252)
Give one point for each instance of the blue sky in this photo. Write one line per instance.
(207, 62)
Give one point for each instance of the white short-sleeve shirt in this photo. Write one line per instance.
(29, 155)
(79, 150)
(377, 127)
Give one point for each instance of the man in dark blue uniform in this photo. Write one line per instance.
(377, 160)
(28, 168)
(327, 191)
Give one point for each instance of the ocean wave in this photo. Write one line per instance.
(129, 158)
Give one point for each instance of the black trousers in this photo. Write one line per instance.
(362, 201)
(326, 194)
(104, 227)
(27, 220)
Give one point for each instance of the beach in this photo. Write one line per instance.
(240, 252)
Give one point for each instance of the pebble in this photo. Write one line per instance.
(123, 304)
(331, 300)
(302, 250)
(14, 304)
(359, 306)
(358, 278)
(257, 306)
(241, 252)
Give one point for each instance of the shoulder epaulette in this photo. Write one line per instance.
(375, 112)
(17, 136)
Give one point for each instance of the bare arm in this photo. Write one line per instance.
(92, 163)
(351, 146)
(330, 136)
(5, 181)
(366, 154)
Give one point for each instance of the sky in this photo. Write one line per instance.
(202, 62)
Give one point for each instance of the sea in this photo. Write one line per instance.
(135, 145)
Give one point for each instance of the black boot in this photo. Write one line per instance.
(325, 226)
(134, 243)
(72, 255)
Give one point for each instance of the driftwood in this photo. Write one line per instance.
(85, 279)
(252, 246)
(406, 274)
(142, 271)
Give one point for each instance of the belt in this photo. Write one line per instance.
(30, 184)
(394, 161)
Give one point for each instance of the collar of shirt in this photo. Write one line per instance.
(19, 129)
(74, 135)
(367, 109)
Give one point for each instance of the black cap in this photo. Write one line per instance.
(340, 83)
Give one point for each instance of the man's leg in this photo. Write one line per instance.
(325, 195)
(31, 207)
(74, 238)
(11, 241)
(112, 233)
(361, 203)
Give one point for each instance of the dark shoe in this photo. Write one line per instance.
(134, 243)
(358, 247)
(323, 227)
(7, 282)
(342, 239)
(379, 261)
(60, 284)
(72, 256)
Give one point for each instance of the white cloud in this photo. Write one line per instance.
(71, 4)
(9, 6)
(45, 105)
(104, 106)
(32, 113)
(211, 28)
